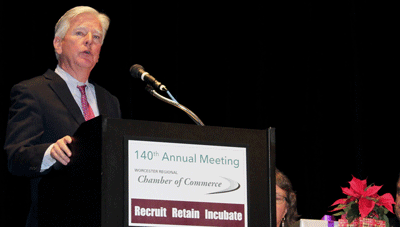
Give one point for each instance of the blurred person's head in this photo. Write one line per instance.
(286, 202)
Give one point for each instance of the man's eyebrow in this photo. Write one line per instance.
(85, 28)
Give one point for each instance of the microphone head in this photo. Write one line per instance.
(136, 71)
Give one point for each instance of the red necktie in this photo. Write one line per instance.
(87, 110)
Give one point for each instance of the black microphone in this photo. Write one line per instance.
(137, 71)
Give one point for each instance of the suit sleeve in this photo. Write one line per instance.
(24, 130)
(118, 107)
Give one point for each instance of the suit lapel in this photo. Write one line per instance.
(61, 89)
(101, 100)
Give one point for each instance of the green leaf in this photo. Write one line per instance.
(339, 213)
(350, 219)
(349, 206)
(385, 210)
(353, 213)
(386, 220)
(379, 211)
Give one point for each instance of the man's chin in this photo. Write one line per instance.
(84, 63)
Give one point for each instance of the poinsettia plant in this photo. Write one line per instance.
(363, 201)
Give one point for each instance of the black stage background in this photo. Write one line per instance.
(321, 72)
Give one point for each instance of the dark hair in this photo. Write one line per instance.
(284, 183)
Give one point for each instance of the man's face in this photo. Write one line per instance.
(397, 206)
(82, 44)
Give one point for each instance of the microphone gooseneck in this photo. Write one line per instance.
(192, 115)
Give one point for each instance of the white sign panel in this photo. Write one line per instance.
(186, 184)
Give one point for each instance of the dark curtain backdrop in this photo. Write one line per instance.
(321, 72)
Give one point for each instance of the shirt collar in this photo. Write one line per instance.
(70, 80)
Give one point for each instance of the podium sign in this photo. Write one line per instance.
(137, 173)
(186, 184)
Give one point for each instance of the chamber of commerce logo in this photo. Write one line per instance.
(233, 186)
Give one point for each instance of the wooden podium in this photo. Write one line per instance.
(93, 189)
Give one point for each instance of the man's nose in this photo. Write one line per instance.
(89, 39)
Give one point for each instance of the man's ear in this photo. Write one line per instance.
(57, 45)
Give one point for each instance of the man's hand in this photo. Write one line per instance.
(60, 150)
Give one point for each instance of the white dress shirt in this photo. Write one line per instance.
(72, 84)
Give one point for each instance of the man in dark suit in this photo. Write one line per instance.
(46, 110)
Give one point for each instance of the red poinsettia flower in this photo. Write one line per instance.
(387, 201)
(367, 197)
(358, 189)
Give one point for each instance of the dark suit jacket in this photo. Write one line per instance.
(43, 111)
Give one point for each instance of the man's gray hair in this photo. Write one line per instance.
(63, 23)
